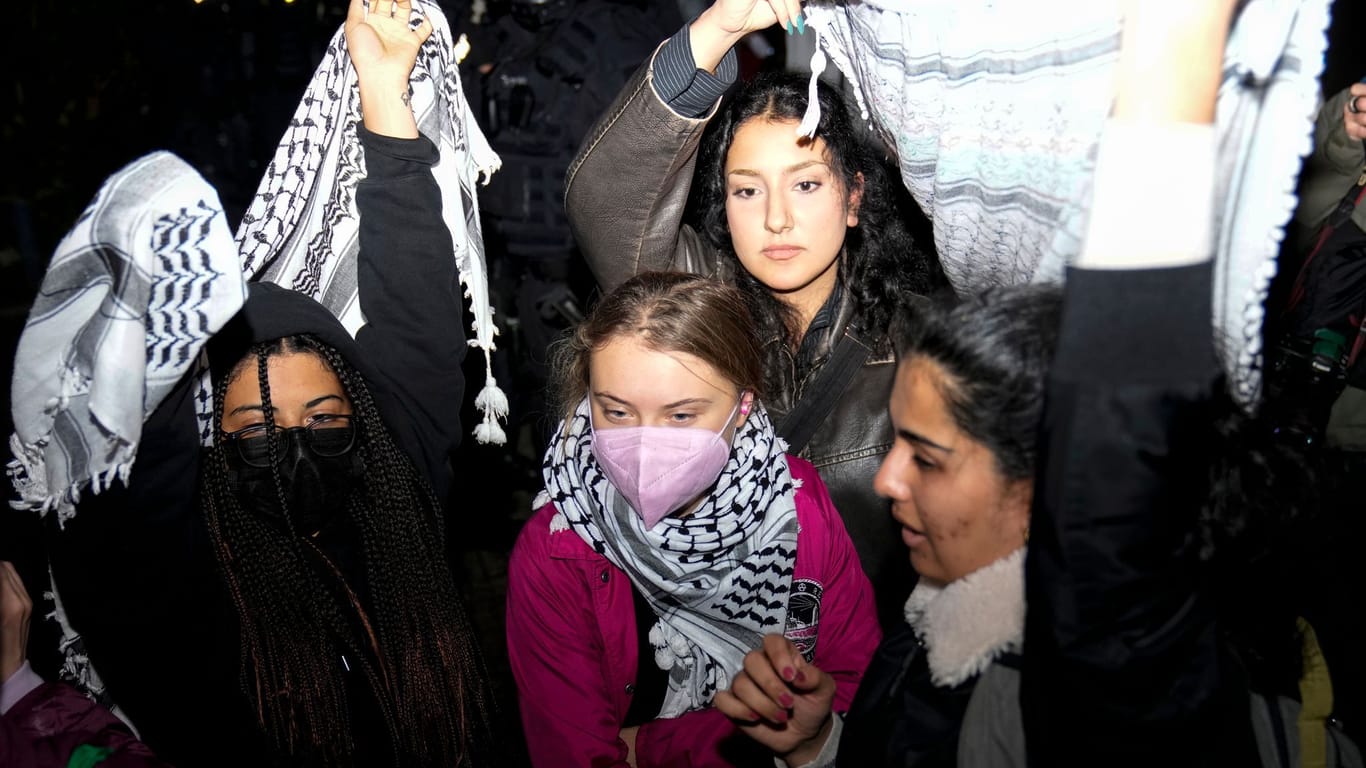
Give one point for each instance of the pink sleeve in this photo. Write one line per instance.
(849, 631)
(702, 739)
(557, 658)
(849, 634)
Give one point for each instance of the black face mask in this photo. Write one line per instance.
(316, 488)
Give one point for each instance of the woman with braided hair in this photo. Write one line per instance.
(283, 596)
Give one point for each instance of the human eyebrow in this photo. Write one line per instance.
(919, 439)
(689, 401)
(788, 171)
(253, 407)
(799, 167)
(315, 402)
(609, 396)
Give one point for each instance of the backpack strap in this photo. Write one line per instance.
(816, 402)
(1339, 216)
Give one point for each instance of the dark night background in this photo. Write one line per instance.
(92, 85)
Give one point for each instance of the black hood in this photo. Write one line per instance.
(272, 312)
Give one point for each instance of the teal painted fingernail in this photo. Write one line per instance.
(789, 28)
(801, 25)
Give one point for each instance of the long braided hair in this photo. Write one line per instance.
(300, 621)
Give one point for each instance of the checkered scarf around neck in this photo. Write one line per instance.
(718, 580)
(300, 231)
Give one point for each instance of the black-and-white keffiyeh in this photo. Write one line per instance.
(151, 271)
(300, 231)
(718, 579)
(134, 290)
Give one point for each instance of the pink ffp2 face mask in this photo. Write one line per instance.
(659, 469)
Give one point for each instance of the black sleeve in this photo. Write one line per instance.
(411, 297)
(1122, 662)
(136, 575)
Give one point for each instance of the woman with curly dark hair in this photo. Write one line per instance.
(806, 225)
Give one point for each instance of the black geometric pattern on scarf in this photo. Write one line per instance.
(718, 580)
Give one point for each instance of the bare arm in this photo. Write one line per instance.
(383, 50)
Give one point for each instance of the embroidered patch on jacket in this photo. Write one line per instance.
(804, 616)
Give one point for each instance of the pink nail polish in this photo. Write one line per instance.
(785, 700)
(801, 676)
(788, 673)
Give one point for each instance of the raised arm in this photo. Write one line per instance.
(383, 48)
(627, 188)
(1122, 664)
(716, 30)
(409, 286)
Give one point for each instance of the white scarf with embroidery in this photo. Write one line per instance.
(995, 107)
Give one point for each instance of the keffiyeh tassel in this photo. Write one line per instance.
(812, 118)
(494, 405)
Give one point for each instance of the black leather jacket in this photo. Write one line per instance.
(625, 194)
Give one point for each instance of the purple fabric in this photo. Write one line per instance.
(49, 722)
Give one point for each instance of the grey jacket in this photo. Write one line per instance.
(625, 195)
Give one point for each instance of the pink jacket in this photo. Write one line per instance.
(572, 641)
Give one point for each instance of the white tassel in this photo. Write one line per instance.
(490, 432)
(558, 522)
(812, 117)
(494, 404)
(491, 399)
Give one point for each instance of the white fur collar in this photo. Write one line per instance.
(971, 621)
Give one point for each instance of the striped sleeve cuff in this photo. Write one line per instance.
(687, 90)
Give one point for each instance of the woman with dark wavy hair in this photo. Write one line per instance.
(807, 226)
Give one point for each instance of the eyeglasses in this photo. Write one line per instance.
(327, 435)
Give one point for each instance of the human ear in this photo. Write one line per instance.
(855, 200)
(746, 404)
(1018, 501)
